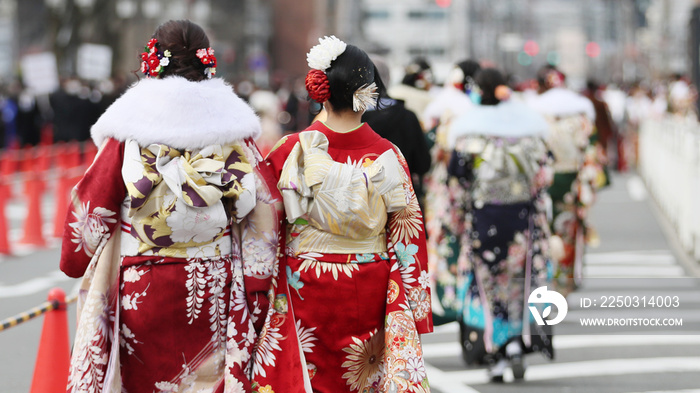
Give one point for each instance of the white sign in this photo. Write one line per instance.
(39, 72)
(94, 62)
(510, 42)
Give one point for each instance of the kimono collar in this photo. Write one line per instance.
(358, 138)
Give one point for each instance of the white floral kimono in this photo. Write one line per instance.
(175, 230)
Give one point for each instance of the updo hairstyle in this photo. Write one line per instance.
(182, 38)
(469, 68)
(488, 80)
(350, 71)
(418, 74)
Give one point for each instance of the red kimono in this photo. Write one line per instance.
(176, 233)
(356, 260)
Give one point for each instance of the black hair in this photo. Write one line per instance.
(592, 85)
(414, 71)
(350, 71)
(469, 68)
(488, 80)
(182, 38)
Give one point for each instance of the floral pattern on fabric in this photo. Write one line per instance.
(577, 177)
(133, 310)
(495, 244)
(175, 198)
(357, 304)
(341, 207)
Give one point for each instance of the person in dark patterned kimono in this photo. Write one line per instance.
(497, 175)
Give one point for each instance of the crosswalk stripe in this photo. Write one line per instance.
(447, 383)
(600, 271)
(673, 391)
(592, 368)
(631, 257)
(450, 349)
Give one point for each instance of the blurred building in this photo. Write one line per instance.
(264, 41)
(665, 37)
(404, 30)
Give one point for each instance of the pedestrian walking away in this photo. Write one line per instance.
(498, 174)
(356, 256)
(578, 173)
(175, 231)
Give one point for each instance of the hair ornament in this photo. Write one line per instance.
(154, 61)
(554, 79)
(321, 55)
(364, 97)
(317, 85)
(206, 56)
(502, 92)
(456, 77)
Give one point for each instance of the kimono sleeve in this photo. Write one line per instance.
(94, 210)
(406, 235)
(260, 239)
(279, 153)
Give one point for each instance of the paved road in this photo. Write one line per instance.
(635, 258)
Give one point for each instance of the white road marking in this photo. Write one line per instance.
(450, 349)
(660, 257)
(34, 285)
(446, 382)
(593, 368)
(636, 188)
(673, 391)
(600, 271)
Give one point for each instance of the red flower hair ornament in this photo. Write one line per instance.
(317, 86)
(154, 61)
(319, 59)
(206, 56)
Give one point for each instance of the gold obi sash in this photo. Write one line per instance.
(339, 208)
(174, 202)
(568, 139)
(504, 167)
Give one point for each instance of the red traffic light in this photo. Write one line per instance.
(592, 49)
(531, 48)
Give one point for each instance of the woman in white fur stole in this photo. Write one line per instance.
(175, 231)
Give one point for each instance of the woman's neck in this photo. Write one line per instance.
(344, 121)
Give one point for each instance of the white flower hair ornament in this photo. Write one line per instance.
(364, 97)
(321, 55)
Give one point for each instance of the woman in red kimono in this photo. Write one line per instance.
(356, 256)
(175, 230)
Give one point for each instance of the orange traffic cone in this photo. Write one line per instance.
(4, 242)
(8, 169)
(53, 359)
(33, 189)
(63, 187)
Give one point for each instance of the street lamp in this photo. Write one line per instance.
(151, 8)
(201, 10)
(55, 4)
(125, 8)
(84, 4)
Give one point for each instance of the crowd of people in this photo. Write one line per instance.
(303, 239)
